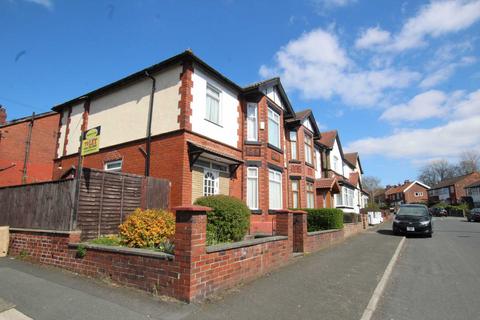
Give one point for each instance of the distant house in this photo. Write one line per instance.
(473, 190)
(452, 190)
(27, 148)
(408, 192)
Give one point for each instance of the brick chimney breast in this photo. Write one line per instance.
(3, 115)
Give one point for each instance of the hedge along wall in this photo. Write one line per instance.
(324, 219)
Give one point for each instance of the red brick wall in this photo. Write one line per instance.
(410, 194)
(42, 150)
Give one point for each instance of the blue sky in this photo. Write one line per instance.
(400, 80)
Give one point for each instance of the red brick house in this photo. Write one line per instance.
(451, 191)
(408, 192)
(27, 148)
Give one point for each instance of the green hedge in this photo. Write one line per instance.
(229, 220)
(324, 219)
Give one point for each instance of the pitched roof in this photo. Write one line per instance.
(404, 187)
(268, 83)
(301, 116)
(328, 183)
(451, 181)
(328, 138)
(476, 184)
(351, 158)
(185, 55)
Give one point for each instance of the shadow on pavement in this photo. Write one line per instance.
(387, 232)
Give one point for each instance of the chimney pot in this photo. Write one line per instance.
(3, 115)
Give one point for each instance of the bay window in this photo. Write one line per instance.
(252, 187)
(273, 128)
(252, 122)
(310, 195)
(295, 199)
(275, 189)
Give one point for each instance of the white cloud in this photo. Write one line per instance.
(45, 3)
(323, 5)
(317, 66)
(433, 20)
(430, 104)
(460, 133)
(442, 73)
(372, 37)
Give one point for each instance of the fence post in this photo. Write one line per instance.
(190, 244)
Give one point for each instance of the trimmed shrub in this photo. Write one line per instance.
(147, 228)
(324, 219)
(228, 221)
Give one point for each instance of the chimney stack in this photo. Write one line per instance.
(3, 115)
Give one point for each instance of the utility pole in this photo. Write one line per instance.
(27, 149)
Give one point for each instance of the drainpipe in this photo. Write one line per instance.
(149, 125)
(27, 149)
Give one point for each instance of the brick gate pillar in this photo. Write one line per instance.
(284, 225)
(190, 244)
(300, 231)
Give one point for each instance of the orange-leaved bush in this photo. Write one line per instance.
(147, 228)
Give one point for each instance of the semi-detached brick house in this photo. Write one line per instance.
(27, 148)
(452, 190)
(408, 192)
(208, 136)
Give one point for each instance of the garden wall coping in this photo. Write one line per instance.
(44, 231)
(125, 250)
(314, 233)
(244, 243)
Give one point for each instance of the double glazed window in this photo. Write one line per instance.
(293, 144)
(213, 104)
(310, 195)
(115, 165)
(295, 190)
(252, 187)
(252, 122)
(275, 189)
(273, 128)
(210, 182)
(308, 149)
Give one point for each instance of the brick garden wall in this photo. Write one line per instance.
(195, 271)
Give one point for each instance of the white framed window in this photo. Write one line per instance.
(310, 195)
(205, 163)
(418, 194)
(252, 122)
(273, 128)
(295, 191)
(293, 144)
(252, 187)
(213, 104)
(308, 149)
(274, 189)
(335, 163)
(210, 182)
(115, 165)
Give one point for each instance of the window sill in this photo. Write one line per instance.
(271, 146)
(252, 143)
(256, 211)
(212, 122)
(309, 165)
(294, 161)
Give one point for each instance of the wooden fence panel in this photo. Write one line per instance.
(45, 205)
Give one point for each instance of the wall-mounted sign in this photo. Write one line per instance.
(91, 141)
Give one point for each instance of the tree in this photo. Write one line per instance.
(469, 162)
(436, 171)
(372, 185)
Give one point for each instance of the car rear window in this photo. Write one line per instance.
(412, 211)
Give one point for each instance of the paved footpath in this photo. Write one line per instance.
(335, 283)
(436, 278)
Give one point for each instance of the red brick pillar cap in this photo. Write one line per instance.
(193, 209)
(282, 211)
(299, 212)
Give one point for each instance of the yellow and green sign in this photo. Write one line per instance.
(91, 141)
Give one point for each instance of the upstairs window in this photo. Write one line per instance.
(335, 163)
(308, 149)
(293, 144)
(213, 104)
(273, 128)
(252, 122)
(115, 165)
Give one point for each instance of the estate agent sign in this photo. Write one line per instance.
(91, 141)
